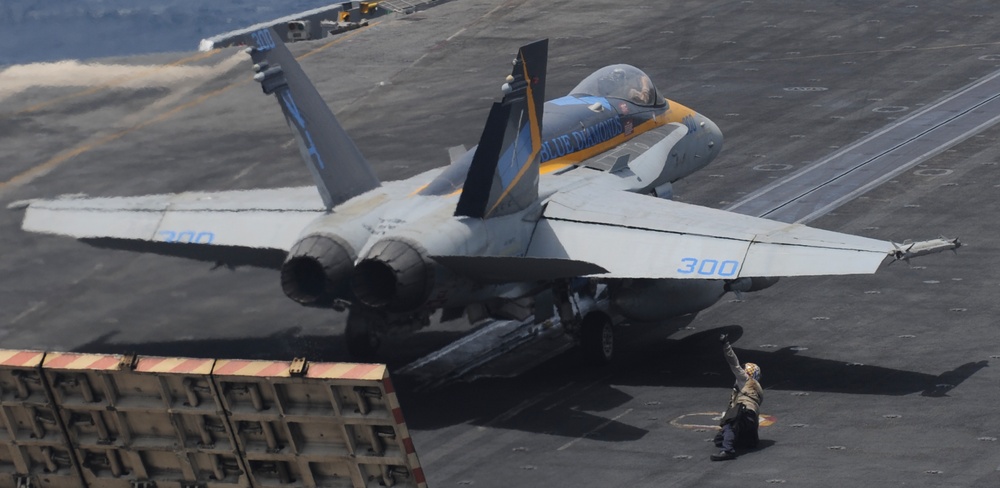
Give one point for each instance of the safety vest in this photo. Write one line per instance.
(751, 395)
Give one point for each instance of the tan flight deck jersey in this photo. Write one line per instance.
(747, 391)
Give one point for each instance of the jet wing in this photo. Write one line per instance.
(252, 227)
(637, 236)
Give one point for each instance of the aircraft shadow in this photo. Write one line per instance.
(284, 345)
(481, 402)
(545, 400)
(696, 361)
(533, 401)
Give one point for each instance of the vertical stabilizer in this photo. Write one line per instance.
(503, 178)
(337, 166)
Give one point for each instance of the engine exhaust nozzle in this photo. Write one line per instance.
(317, 270)
(394, 276)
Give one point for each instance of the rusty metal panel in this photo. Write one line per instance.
(335, 424)
(135, 420)
(110, 421)
(33, 451)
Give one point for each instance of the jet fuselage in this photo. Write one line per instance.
(385, 242)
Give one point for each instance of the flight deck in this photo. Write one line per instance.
(888, 379)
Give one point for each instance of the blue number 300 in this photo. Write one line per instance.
(709, 267)
(263, 39)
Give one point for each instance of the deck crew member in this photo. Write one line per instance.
(739, 423)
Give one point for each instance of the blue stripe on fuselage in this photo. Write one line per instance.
(574, 127)
(578, 140)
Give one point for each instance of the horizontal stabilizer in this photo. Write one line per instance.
(231, 256)
(203, 226)
(507, 269)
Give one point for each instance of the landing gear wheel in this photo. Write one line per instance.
(597, 339)
(361, 341)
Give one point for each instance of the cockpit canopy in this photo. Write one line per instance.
(623, 82)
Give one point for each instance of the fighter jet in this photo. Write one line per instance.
(562, 212)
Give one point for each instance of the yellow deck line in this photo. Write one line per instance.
(59, 159)
(113, 83)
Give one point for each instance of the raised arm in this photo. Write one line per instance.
(734, 362)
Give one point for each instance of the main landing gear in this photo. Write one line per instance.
(361, 336)
(582, 306)
(367, 327)
(597, 338)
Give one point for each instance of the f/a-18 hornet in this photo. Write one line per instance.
(562, 212)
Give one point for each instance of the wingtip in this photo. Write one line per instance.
(909, 250)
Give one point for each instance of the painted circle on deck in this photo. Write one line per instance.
(889, 109)
(773, 167)
(710, 420)
(806, 88)
(933, 172)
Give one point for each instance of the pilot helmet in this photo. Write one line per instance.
(618, 74)
(752, 370)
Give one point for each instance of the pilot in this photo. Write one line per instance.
(739, 423)
(638, 89)
(643, 94)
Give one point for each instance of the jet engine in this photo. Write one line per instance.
(317, 270)
(648, 300)
(749, 285)
(394, 276)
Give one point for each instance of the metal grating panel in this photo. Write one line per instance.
(331, 426)
(112, 421)
(33, 451)
(144, 419)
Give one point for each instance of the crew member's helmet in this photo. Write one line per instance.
(752, 370)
